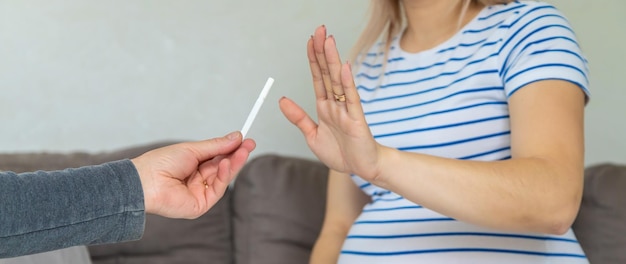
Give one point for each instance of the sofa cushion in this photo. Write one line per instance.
(278, 207)
(601, 223)
(206, 239)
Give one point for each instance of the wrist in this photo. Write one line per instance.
(384, 165)
(146, 183)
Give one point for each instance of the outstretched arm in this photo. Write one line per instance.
(106, 203)
(538, 190)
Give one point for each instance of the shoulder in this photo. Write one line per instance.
(538, 43)
(524, 14)
(521, 21)
(518, 9)
(521, 24)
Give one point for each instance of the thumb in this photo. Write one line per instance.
(208, 149)
(297, 116)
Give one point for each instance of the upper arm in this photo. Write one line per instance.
(343, 204)
(547, 121)
(545, 78)
(547, 127)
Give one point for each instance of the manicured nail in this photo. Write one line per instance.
(232, 135)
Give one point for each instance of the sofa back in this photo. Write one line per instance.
(275, 209)
(278, 209)
(601, 222)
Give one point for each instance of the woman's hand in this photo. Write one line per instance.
(185, 180)
(342, 139)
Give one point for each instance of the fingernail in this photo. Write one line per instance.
(232, 135)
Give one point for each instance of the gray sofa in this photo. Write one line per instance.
(274, 211)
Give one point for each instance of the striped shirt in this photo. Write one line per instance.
(452, 101)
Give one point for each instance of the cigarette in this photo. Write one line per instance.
(257, 106)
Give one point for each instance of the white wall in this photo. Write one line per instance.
(101, 75)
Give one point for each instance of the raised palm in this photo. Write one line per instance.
(342, 140)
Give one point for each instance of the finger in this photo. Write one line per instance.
(206, 173)
(208, 149)
(334, 67)
(227, 169)
(318, 47)
(219, 185)
(316, 73)
(197, 190)
(248, 144)
(353, 100)
(209, 167)
(237, 160)
(297, 116)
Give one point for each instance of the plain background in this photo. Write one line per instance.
(78, 75)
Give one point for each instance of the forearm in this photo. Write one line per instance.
(42, 211)
(326, 249)
(531, 194)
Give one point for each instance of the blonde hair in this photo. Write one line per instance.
(386, 21)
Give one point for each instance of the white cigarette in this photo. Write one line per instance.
(257, 106)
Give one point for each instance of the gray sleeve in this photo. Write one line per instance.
(43, 211)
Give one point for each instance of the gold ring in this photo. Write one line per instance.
(340, 97)
(206, 186)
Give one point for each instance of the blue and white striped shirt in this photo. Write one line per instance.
(452, 101)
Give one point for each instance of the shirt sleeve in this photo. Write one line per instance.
(541, 45)
(43, 211)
